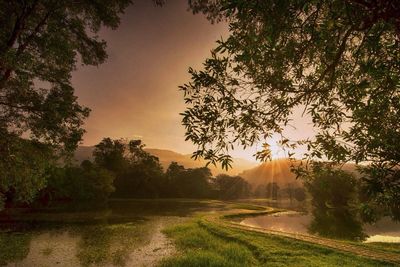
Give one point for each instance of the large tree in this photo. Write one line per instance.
(41, 42)
(337, 60)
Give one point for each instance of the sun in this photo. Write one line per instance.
(277, 151)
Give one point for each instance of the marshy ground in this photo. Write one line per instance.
(173, 233)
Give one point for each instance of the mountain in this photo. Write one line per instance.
(277, 171)
(168, 156)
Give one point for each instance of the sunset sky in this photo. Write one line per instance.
(135, 93)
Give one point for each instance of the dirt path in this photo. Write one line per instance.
(157, 248)
(335, 244)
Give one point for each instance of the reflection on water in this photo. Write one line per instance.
(118, 236)
(340, 223)
(384, 230)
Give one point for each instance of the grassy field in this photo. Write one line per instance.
(202, 231)
(205, 243)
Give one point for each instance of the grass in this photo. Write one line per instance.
(98, 244)
(13, 246)
(205, 243)
(380, 246)
(203, 240)
(110, 244)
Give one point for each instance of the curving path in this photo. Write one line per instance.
(367, 252)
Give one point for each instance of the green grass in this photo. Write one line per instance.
(99, 244)
(14, 247)
(204, 240)
(110, 244)
(205, 243)
(380, 246)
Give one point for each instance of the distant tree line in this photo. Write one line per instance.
(122, 169)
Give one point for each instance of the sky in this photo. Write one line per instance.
(135, 94)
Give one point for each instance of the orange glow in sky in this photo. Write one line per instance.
(134, 94)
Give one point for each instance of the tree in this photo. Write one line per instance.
(338, 61)
(138, 173)
(88, 183)
(299, 194)
(232, 187)
(272, 190)
(29, 159)
(189, 183)
(41, 41)
(334, 201)
(110, 154)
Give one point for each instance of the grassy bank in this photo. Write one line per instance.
(206, 243)
(203, 231)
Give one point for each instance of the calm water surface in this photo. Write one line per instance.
(384, 230)
(127, 233)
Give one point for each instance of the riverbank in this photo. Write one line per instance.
(176, 233)
(219, 240)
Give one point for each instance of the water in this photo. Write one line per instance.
(385, 230)
(127, 233)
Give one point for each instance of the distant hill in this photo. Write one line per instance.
(168, 156)
(278, 171)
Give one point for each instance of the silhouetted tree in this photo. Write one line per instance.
(300, 194)
(110, 154)
(87, 183)
(40, 43)
(290, 191)
(138, 173)
(189, 183)
(336, 60)
(26, 172)
(232, 187)
(334, 201)
(272, 190)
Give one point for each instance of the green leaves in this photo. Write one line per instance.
(334, 59)
(39, 47)
(40, 44)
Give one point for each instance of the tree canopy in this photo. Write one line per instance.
(338, 61)
(41, 43)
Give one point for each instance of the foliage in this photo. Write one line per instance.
(334, 201)
(232, 187)
(87, 183)
(272, 190)
(380, 192)
(300, 194)
(190, 183)
(143, 176)
(138, 173)
(295, 192)
(23, 170)
(110, 154)
(338, 61)
(41, 42)
(14, 247)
